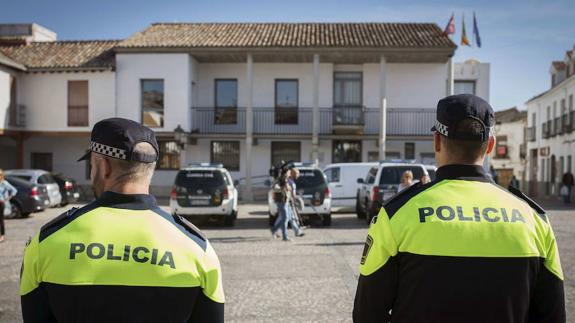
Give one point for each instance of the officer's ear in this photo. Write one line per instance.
(107, 167)
(490, 145)
(437, 141)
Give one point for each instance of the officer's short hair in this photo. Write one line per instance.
(466, 151)
(135, 170)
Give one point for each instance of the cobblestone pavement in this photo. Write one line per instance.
(311, 279)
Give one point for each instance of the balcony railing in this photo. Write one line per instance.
(571, 123)
(273, 121)
(552, 128)
(558, 126)
(530, 133)
(348, 115)
(545, 131)
(17, 115)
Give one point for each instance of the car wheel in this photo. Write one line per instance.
(229, 220)
(358, 211)
(16, 211)
(326, 220)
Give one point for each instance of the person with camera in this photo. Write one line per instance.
(282, 192)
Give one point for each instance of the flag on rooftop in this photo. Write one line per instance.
(450, 28)
(464, 39)
(476, 32)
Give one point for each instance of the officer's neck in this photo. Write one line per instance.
(129, 188)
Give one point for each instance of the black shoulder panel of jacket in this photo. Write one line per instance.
(185, 227)
(63, 219)
(399, 200)
(540, 211)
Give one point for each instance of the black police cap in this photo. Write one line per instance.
(117, 137)
(456, 108)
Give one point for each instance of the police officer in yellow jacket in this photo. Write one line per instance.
(460, 249)
(121, 258)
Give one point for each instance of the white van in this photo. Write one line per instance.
(342, 180)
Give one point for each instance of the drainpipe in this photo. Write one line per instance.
(383, 102)
(315, 113)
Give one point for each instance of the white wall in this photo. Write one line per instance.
(65, 153)
(560, 145)
(411, 85)
(4, 96)
(174, 69)
(472, 70)
(46, 99)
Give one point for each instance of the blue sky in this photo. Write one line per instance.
(520, 37)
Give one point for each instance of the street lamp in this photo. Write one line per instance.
(180, 136)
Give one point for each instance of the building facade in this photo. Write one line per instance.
(509, 156)
(246, 95)
(550, 133)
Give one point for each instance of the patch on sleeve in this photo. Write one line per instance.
(366, 248)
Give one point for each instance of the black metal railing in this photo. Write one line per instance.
(530, 133)
(271, 121)
(17, 115)
(545, 131)
(348, 116)
(559, 126)
(552, 128)
(571, 118)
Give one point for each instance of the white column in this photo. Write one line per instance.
(449, 88)
(247, 194)
(315, 113)
(383, 103)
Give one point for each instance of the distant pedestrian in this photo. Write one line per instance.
(293, 217)
(568, 181)
(281, 191)
(406, 181)
(7, 191)
(514, 182)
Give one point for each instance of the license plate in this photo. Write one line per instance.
(76, 195)
(200, 202)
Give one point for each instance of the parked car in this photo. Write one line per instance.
(40, 178)
(30, 198)
(206, 191)
(342, 180)
(69, 190)
(431, 169)
(313, 188)
(381, 184)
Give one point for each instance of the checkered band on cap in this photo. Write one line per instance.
(441, 128)
(108, 150)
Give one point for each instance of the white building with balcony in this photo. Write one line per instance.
(550, 132)
(247, 95)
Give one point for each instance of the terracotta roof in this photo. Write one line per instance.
(510, 115)
(290, 35)
(559, 65)
(96, 54)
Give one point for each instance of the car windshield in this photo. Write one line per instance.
(431, 173)
(200, 179)
(392, 175)
(46, 179)
(24, 177)
(310, 178)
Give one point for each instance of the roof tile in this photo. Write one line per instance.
(291, 35)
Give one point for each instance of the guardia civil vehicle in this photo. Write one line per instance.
(205, 191)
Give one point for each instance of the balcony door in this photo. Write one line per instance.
(286, 102)
(226, 101)
(347, 98)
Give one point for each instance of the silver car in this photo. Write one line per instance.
(40, 178)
